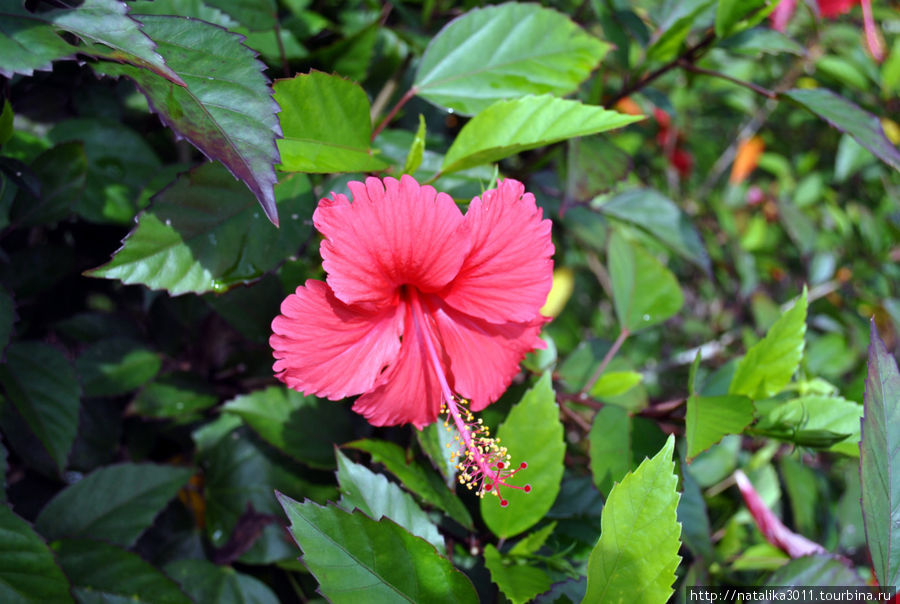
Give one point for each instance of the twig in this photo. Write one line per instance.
(582, 423)
(285, 66)
(403, 100)
(689, 55)
(623, 334)
(717, 74)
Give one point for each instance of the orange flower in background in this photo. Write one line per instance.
(746, 159)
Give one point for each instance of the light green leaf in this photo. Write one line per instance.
(637, 554)
(204, 233)
(116, 366)
(225, 109)
(729, 13)
(769, 364)
(416, 150)
(422, 482)
(825, 570)
(509, 127)
(42, 385)
(644, 291)
(532, 433)
(847, 117)
(614, 383)
(532, 542)
(518, 582)
(503, 52)
(326, 125)
(207, 582)
(437, 442)
(28, 572)
(374, 495)
(304, 427)
(674, 29)
(650, 211)
(104, 573)
(709, 418)
(115, 503)
(879, 460)
(357, 559)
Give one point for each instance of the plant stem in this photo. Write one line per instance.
(716, 74)
(390, 116)
(689, 55)
(623, 335)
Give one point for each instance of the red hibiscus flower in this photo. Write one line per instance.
(831, 9)
(421, 303)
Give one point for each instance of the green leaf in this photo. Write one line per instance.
(610, 446)
(120, 164)
(769, 364)
(637, 554)
(61, 171)
(847, 117)
(416, 150)
(614, 383)
(204, 581)
(355, 558)
(509, 127)
(831, 416)
(761, 40)
(102, 573)
(375, 496)
(225, 109)
(674, 29)
(644, 291)
(326, 125)
(709, 418)
(825, 570)
(28, 572)
(878, 461)
(255, 14)
(422, 482)
(304, 427)
(174, 395)
(531, 433)
(42, 385)
(116, 366)
(518, 582)
(729, 13)
(241, 471)
(693, 516)
(503, 52)
(434, 440)
(532, 542)
(204, 233)
(650, 211)
(114, 503)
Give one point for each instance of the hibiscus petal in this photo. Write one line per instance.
(509, 271)
(409, 391)
(393, 234)
(326, 348)
(483, 357)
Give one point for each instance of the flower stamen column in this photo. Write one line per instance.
(483, 464)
